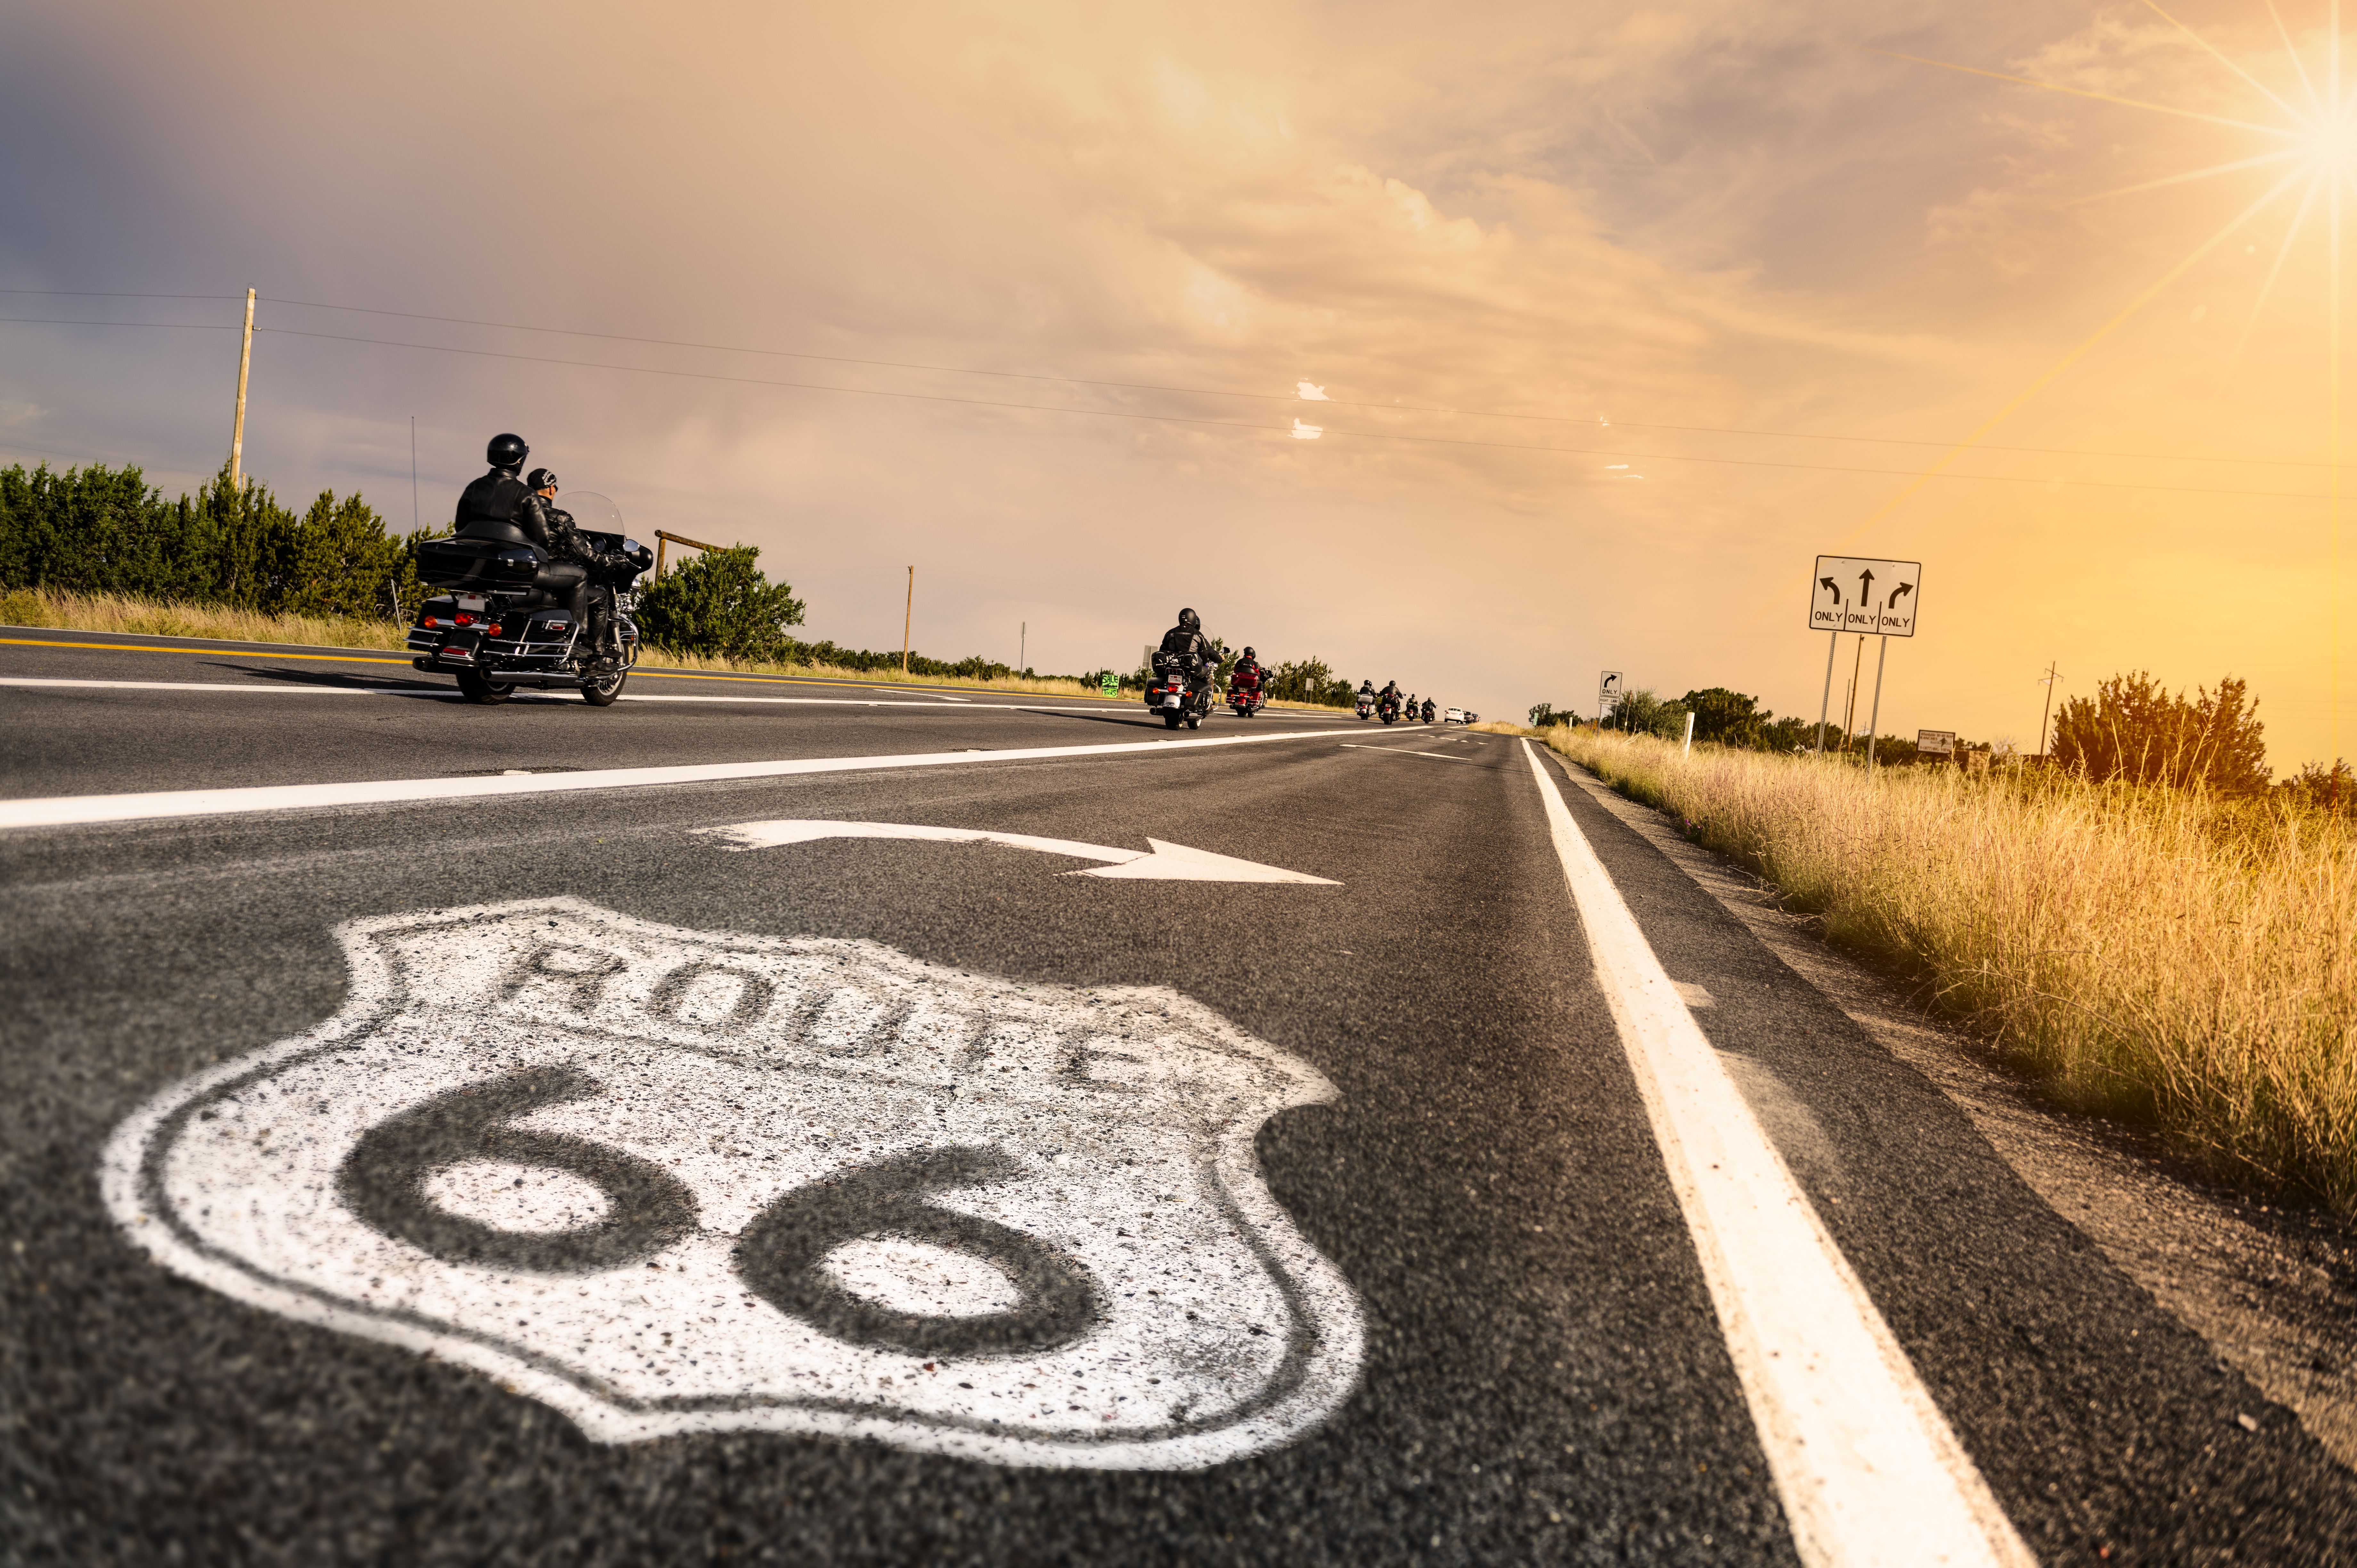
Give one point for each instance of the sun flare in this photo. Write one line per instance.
(2311, 154)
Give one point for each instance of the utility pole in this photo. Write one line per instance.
(1849, 703)
(414, 523)
(2052, 675)
(1874, 719)
(1022, 647)
(1825, 702)
(237, 432)
(908, 619)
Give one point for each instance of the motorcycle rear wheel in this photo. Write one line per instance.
(600, 688)
(478, 688)
(1169, 720)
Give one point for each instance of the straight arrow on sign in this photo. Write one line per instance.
(1165, 862)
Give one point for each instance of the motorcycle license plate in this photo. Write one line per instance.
(461, 646)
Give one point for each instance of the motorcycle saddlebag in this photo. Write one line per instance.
(477, 564)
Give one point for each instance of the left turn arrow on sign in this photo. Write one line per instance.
(1161, 860)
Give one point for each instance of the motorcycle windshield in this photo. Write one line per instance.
(599, 516)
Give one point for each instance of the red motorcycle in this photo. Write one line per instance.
(1247, 695)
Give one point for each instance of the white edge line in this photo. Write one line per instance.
(74, 810)
(545, 696)
(1868, 1469)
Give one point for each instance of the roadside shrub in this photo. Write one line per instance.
(2132, 729)
(721, 603)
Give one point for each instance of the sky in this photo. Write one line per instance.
(1484, 347)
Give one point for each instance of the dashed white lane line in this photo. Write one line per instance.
(1867, 1468)
(61, 811)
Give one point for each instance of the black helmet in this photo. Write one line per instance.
(541, 479)
(506, 451)
(1189, 621)
(1249, 653)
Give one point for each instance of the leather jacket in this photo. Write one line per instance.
(1191, 647)
(501, 497)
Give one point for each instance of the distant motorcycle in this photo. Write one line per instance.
(1429, 710)
(1388, 710)
(1246, 696)
(1366, 706)
(1174, 696)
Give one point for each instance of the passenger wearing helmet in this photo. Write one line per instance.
(595, 603)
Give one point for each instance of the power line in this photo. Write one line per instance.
(1271, 397)
(1200, 391)
(1192, 391)
(1251, 424)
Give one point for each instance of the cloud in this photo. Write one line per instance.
(1310, 391)
(1307, 432)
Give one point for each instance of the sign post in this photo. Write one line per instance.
(1876, 598)
(1608, 695)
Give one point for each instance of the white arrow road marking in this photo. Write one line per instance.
(1166, 861)
(675, 1181)
(1402, 751)
(1868, 1469)
(60, 810)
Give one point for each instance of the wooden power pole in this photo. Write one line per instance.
(237, 431)
(2052, 675)
(908, 619)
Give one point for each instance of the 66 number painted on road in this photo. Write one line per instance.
(674, 1181)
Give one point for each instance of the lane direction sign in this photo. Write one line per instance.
(1855, 593)
(1159, 861)
(671, 1181)
(1609, 691)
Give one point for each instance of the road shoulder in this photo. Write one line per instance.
(2271, 1292)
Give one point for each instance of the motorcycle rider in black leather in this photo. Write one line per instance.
(1196, 656)
(1389, 693)
(500, 506)
(603, 630)
(1258, 677)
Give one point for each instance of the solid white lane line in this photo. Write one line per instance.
(558, 696)
(1403, 751)
(1867, 1468)
(66, 809)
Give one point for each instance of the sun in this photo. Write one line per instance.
(2327, 143)
(2309, 149)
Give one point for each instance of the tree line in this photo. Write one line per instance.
(106, 531)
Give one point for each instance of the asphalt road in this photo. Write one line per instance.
(498, 1158)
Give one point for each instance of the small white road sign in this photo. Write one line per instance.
(1936, 742)
(1853, 594)
(1608, 693)
(672, 1181)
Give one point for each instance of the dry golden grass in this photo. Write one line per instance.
(80, 612)
(101, 613)
(2160, 954)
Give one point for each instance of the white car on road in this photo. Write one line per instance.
(1454, 716)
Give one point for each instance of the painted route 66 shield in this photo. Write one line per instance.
(677, 1181)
